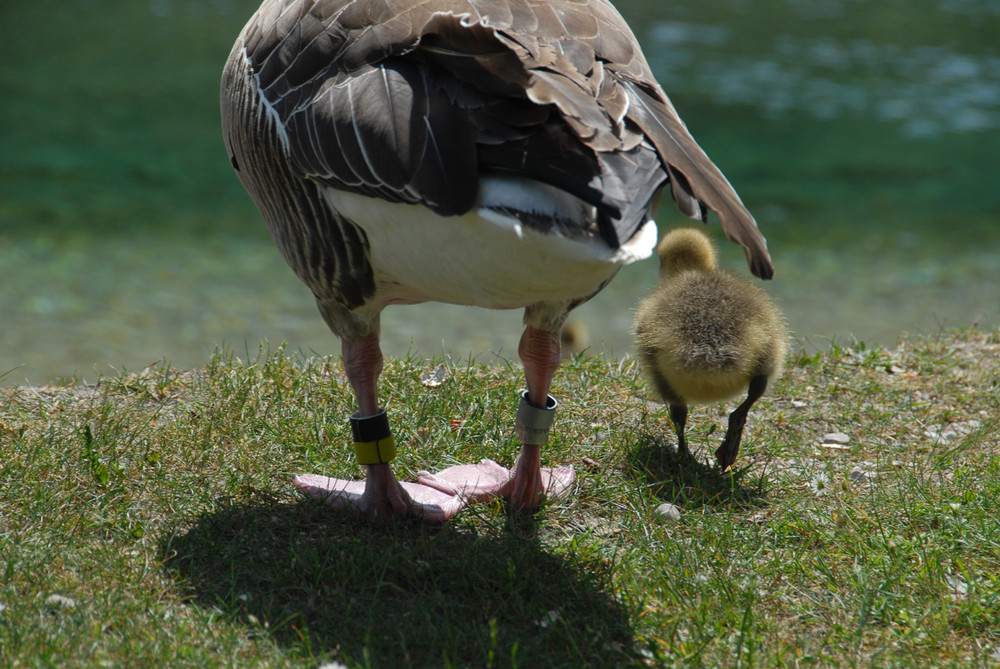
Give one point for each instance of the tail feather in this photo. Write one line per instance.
(688, 204)
(695, 180)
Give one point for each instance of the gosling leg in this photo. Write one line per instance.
(726, 454)
(678, 414)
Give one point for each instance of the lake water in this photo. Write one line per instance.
(864, 135)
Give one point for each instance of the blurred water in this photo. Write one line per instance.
(927, 90)
(864, 135)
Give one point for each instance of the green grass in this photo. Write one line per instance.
(160, 504)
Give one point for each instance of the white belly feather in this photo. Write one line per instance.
(485, 258)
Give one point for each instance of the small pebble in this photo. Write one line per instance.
(959, 588)
(838, 438)
(548, 619)
(859, 475)
(60, 602)
(668, 513)
(942, 434)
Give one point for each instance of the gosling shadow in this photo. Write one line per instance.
(688, 481)
(404, 593)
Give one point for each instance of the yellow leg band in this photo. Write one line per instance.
(376, 452)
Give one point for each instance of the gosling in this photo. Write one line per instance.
(575, 337)
(704, 335)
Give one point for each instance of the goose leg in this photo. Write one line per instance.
(539, 351)
(380, 494)
(726, 453)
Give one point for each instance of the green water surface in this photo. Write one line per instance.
(864, 135)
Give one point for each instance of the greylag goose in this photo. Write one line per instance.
(496, 153)
(705, 335)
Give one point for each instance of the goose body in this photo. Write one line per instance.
(480, 271)
(705, 335)
(495, 153)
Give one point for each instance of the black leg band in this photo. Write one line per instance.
(370, 428)
(373, 440)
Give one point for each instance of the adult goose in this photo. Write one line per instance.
(705, 335)
(497, 153)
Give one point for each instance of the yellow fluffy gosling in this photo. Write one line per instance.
(705, 335)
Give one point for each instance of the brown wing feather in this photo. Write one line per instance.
(447, 71)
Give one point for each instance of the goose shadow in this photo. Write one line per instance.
(402, 593)
(690, 482)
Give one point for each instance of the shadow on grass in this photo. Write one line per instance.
(401, 594)
(689, 482)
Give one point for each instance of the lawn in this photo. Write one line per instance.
(149, 520)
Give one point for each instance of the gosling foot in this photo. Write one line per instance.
(726, 454)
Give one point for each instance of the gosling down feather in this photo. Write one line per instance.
(705, 335)
(496, 153)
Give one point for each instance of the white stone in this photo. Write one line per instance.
(60, 601)
(668, 513)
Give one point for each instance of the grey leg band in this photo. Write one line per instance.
(533, 421)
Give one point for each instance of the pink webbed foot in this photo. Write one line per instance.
(531, 483)
(474, 483)
(374, 500)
